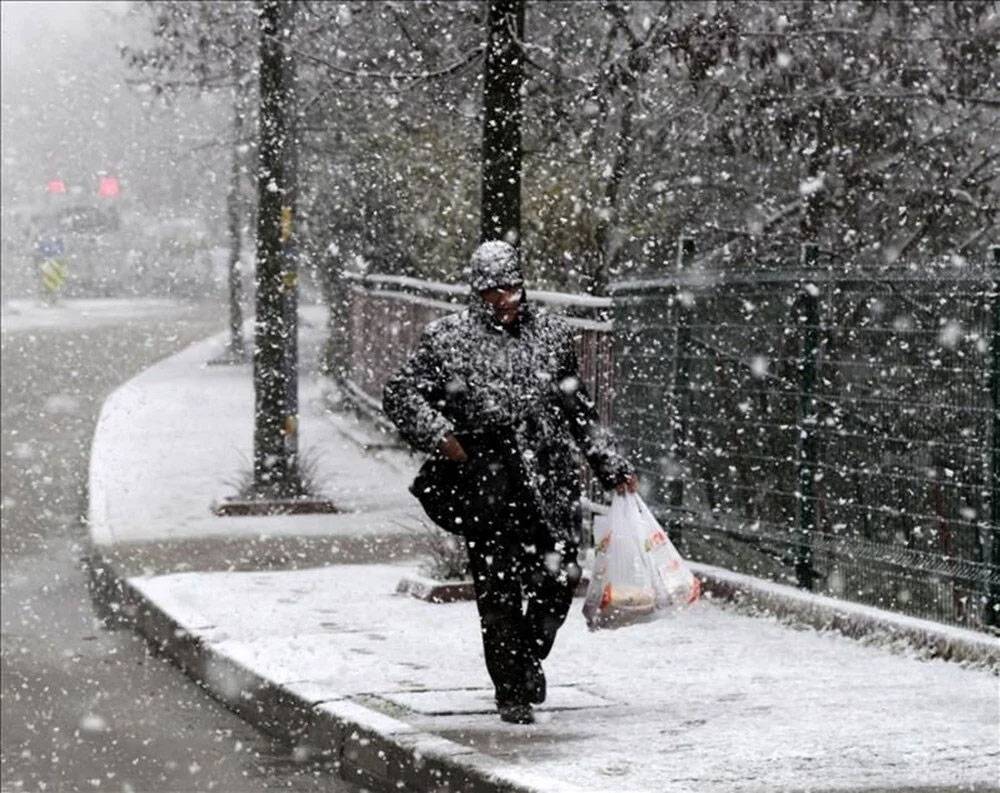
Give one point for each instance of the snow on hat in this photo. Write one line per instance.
(494, 264)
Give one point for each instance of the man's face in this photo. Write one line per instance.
(505, 302)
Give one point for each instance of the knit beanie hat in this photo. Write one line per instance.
(494, 264)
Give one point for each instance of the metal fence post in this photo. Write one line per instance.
(807, 448)
(679, 391)
(992, 615)
(335, 359)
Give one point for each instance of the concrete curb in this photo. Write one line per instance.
(431, 590)
(434, 591)
(896, 632)
(365, 746)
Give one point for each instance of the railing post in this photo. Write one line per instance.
(338, 297)
(807, 449)
(679, 392)
(992, 615)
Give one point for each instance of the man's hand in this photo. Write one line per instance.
(452, 449)
(631, 485)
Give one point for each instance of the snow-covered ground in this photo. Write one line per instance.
(708, 700)
(195, 422)
(26, 314)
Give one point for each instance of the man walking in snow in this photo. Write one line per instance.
(493, 393)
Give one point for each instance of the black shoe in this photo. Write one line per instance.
(536, 686)
(516, 714)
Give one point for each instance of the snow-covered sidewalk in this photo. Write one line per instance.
(710, 700)
(178, 438)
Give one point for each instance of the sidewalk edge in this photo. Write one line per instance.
(854, 620)
(99, 525)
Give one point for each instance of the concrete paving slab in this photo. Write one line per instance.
(449, 702)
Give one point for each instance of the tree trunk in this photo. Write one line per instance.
(608, 245)
(503, 78)
(276, 469)
(237, 346)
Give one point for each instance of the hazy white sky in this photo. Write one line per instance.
(61, 76)
(68, 112)
(35, 33)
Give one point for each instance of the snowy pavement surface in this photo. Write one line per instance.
(178, 438)
(709, 700)
(27, 314)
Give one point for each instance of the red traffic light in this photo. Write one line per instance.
(109, 187)
(55, 186)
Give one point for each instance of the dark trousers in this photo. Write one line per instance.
(510, 565)
(513, 559)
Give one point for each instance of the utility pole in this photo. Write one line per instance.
(276, 468)
(503, 79)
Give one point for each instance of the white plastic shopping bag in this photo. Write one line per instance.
(638, 573)
(676, 586)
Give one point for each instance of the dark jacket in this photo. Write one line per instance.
(475, 379)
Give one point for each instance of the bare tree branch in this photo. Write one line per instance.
(464, 61)
(855, 33)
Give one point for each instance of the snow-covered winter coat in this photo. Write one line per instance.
(469, 375)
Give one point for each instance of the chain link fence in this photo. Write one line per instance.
(828, 426)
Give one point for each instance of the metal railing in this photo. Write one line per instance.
(387, 313)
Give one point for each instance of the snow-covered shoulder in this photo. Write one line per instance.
(447, 324)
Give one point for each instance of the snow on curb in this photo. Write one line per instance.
(855, 620)
(434, 591)
(366, 746)
(166, 441)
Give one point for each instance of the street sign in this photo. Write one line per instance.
(53, 273)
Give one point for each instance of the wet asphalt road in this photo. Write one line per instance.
(85, 707)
